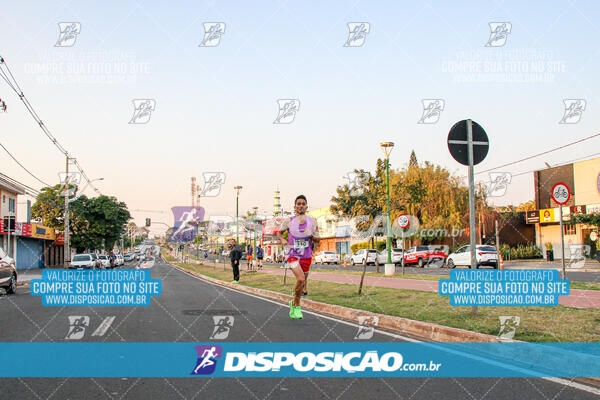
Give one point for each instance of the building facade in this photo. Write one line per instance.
(583, 180)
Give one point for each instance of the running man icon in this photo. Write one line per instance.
(207, 359)
(185, 222)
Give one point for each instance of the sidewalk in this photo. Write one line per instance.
(588, 266)
(578, 298)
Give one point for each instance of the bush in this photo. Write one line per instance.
(379, 245)
(525, 251)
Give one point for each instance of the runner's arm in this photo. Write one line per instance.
(315, 233)
(282, 228)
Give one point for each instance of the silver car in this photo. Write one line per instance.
(382, 257)
(8, 273)
(86, 260)
(326, 257)
(364, 256)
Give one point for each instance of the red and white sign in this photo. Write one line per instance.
(403, 221)
(561, 193)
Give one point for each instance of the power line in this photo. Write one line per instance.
(22, 166)
(539, 154)
(14, 85)
(558, 165)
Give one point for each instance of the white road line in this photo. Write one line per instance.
(561, 381)
(103, 327)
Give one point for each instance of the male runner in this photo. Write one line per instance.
(303, 233)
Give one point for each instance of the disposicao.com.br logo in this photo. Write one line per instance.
(369, 361)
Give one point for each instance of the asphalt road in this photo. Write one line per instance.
(183, 313)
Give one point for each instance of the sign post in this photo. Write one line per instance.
(403, 222)
(561, 195)
(462, 139)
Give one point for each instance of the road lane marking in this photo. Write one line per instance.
(103, 327)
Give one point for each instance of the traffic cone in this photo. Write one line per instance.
(345, 264)
(501, 262)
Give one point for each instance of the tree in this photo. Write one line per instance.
(592, 219)
(431, 193)
(50, 208)
(93, 222)
(527, 206)
(413, 160)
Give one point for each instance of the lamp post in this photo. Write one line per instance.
(237, 211)
(254, 228)
(88, 183)
(387, 148)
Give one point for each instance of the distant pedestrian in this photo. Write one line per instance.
(235, 256)
(259, 256)
(249, 257)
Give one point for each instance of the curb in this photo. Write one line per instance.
(404, 326)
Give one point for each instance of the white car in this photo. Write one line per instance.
(120, 260)
(382, 257)
(486, 255)
(105, 260)
(83, 261)
(327, 257)
(364, 256)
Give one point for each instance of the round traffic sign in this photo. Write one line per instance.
(458, 142)
(561, 193)
(403, 221)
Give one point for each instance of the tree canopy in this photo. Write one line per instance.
(92, 221)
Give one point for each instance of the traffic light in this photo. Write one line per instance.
(148, 222)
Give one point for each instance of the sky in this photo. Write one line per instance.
(215, 106)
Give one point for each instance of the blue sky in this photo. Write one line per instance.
(215, 106)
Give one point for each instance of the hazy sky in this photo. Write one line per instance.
(215, 106)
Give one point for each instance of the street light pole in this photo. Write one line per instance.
(254, 229)
(387, 148)
(237, 212)
(67, 250)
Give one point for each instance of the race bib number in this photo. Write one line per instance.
(300, 244)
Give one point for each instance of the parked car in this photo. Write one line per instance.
(364, 256)
(142, 257)
(96, 258)
(85, 260)
(422, 255)
(486, 255)
(327, 257)
(382, 257)
(120, 260)
(8, 272)
(105, 260)
(129, 257)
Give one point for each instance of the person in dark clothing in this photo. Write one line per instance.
(235, 255)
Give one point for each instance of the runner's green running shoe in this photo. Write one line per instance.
(298, 312)
(292, 310)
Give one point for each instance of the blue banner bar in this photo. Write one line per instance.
(224, 359)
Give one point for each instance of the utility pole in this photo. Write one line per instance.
(67, 249)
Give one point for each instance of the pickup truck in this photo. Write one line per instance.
(423, 255)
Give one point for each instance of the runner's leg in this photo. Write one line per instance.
(299, 284)
(305, 282)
